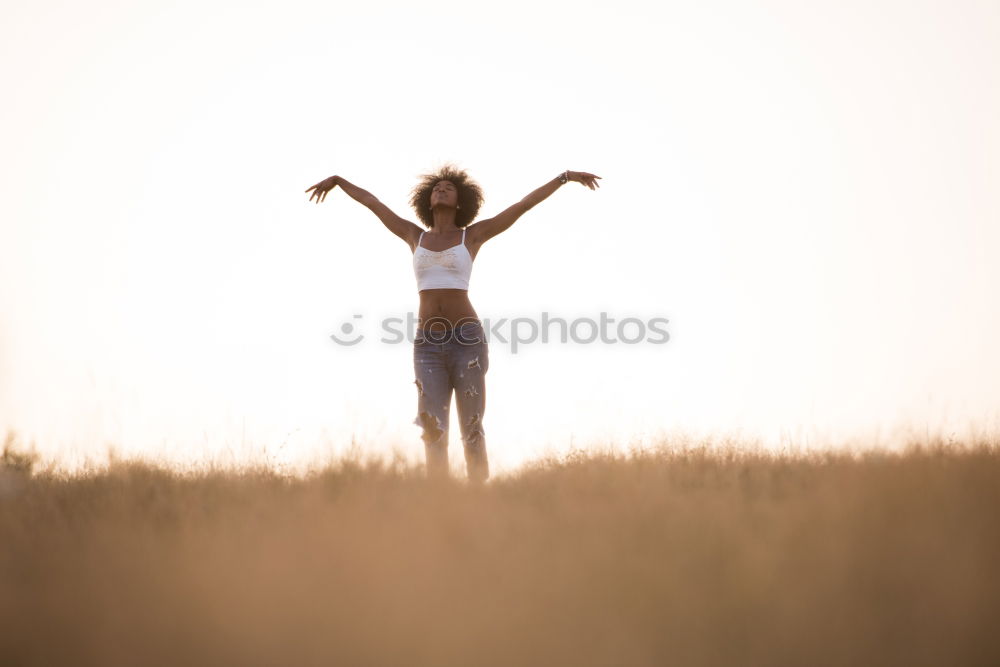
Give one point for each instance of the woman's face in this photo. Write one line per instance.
(444, 194)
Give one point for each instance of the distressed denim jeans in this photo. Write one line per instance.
(449, 362)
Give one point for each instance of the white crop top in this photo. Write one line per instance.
(448, 268)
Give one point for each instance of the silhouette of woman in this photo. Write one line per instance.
(450, 351)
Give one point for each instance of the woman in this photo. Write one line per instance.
(450, 352)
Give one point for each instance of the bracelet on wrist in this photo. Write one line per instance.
(563, 177)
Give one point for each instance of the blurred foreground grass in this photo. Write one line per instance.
(690, 557)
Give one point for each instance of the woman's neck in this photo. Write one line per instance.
(444, 220)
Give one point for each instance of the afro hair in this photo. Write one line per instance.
(470, 195)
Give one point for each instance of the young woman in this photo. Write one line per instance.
(450, 352)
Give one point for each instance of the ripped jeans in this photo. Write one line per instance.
(447, 362)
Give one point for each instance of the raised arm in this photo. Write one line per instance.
(487, 229)
(402, 228)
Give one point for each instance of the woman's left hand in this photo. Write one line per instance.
(590, 180)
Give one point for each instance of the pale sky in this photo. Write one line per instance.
(807, 191)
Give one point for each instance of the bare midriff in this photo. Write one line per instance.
(445, 308)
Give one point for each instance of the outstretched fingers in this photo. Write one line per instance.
(590, 180)
(321, 189)
(319, 192)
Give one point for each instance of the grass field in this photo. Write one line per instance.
(669, 557)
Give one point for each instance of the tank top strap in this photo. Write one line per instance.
(463, 235)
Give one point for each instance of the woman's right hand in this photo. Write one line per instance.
(321, 188)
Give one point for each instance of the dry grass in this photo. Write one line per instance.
(669, 558)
